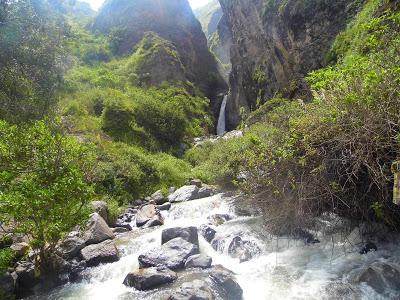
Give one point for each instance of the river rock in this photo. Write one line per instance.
(189, 234)
(70, 247)
(205, 191)
(25, 278)
(172, 254)
(118, 230)
(77, 270)
(145, 214)
(101, 208)
(219, 219)
(185, 193)
(104, 252)
(368, 248)
(171, 190)
(147, 279)
(196, 182)
(195, 290)
(207, 232)
(157, 220)
(124, 223)
(226, 284)
(198, 261)
(20, 249)
(380, 276)
(158, 198)
(165, 206)
(97, 230)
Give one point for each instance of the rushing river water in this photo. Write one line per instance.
(285, 269)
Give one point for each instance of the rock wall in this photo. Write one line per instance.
(128, 20)
(275, 43)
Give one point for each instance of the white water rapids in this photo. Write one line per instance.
(285, 269)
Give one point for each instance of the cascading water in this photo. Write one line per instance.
(283, 269)
(221, 126)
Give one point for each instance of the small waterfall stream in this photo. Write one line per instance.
(221, 126)
(284, 269)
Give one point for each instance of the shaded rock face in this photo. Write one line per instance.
(226, 284)
(97, 230)
(275, 43)
(150, 278)
(70, 247)
(189, 234)
(172, 20)
(104, 252)
(172, 254)
(198, 261)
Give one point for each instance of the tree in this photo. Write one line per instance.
(44, 185)
(31, 64)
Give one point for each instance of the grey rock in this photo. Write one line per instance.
(158, 198)
(196, 182)
(77, 270)
(70, 247)
(226, 284)
(195, 290)
(207, 232)
(157, 220)
(145, 214)
(172, 254)
(147, 279)
(104, 252)
(205, 191)
(189, 234)
(118, 230)
(171, 189)
(185, 193)
(198, 261)
(368, 248)
(165, 206)
(25, 278)
(101, 208)
(20, 249)
(97, 230)
(124, 224)
(7, 283)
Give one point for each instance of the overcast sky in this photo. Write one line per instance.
(194, 3)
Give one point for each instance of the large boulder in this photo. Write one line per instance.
(205, 191)
(380, 276)
(26, 278)
(172, 254)
(195, 290)
(196, 182)
(101, 208)
(70, 247)
(158, 198)
(147, 279)
(165, 206)
(97, 230)
(207, 232)
(145, 214)
(157, 220)
(198, 261)
(225, 283)
(104, 252)
(189, 234)
(20, 249)
(185, 193)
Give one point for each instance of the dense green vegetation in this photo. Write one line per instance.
(334, 153)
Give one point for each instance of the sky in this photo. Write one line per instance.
(194, 3)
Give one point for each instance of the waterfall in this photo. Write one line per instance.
(221, 127)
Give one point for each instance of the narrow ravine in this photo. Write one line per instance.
(283, 269)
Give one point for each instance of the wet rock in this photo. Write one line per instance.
(157, 220)
(205, 191)
(198, 261)
(70, 247)
(145, 214)
(137, 202)
(195, 290)
(219, 219)
(237, 247)
(368, 248)
(196, 182)
(123, 224)
(380, 276)
(225, 283)
(20, 249)
(165, 206)
(189, 234)
(6, 283)
(340, 291)
(246, 255)
(25, 278)
(97, 230)
(101, 208)
(104, 252)
(158, 198)
(207, 232)
(185, 193)
(118, 230)
(172, 254)
(147, 279)
(77, 270)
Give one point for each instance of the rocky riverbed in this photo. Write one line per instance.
(195, 244)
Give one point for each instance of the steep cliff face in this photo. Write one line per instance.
(172, 20)
(277, 42)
